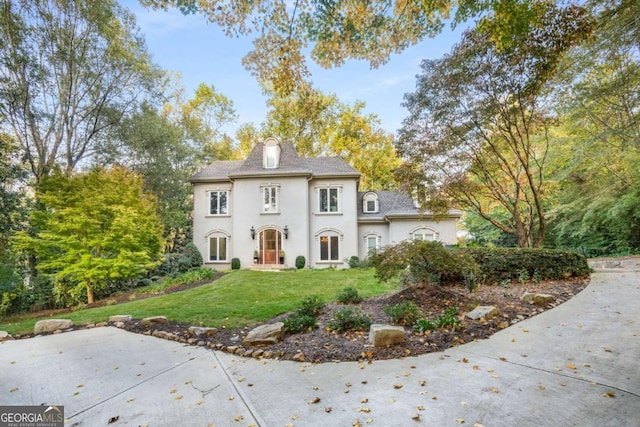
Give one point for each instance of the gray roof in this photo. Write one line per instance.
(290, 164)
(393, 204)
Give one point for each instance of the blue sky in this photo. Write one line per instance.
(203, 54)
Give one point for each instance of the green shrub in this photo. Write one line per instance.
(346, 319)
(448, 320)
(298, 322)
(349, 295)
(423, 262)
(235, 263)
(498, 265)
(312, 306)
(354, 262)
(406, 313)
(300, 262)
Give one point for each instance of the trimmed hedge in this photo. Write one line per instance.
(499, 264)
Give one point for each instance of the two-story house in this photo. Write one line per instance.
(275, 205)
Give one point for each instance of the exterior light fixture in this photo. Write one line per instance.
(253, 233)
(286, 232)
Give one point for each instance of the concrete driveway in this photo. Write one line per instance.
(575, 365)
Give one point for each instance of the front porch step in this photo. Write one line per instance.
(267, 267)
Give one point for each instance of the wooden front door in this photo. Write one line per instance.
(270, 246)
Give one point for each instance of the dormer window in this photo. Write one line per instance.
(370, 203)
(271, 154)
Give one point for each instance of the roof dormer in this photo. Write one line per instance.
(271, 154)
(370, 203)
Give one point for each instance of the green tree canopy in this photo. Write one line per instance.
(477, 135)
(97, 227)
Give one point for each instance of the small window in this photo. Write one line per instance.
(217, 248)
(271, 154)
(425, 234)
(329, 248)
(270, 199)
(372, 244)
(218, 203)
(370, 203)
(329, 200)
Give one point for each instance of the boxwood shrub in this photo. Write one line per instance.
(500, 264)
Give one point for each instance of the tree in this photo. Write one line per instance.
(477, 134)
(319, 124)
(597, 156)
(341, 30)
(69, 70)
(98, 227)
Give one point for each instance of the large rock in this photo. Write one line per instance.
(4, 336)
(165, 335)
(51, 325)
(154, 320)
(385, 335)
(483, 312)
(120, 318)
(265, 334)
(199, 331)
(538, 299)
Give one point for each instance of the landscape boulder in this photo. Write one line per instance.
(120, 318)
(486, 312)
(51, 325)
(199, 331)
(4, 335)
(538, 299)
(154, 320)
(265, 334)
(165, 335)
(385, 335)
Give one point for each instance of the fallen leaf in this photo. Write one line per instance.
(525, 330)
(504, 359)
(460, 420)
(80, 385)
(131, 400)
(314, 400)
(327, 409)
(415, 417)
(364, 400)
(586, 365)
(465, 360)
(178, 397)
(14, 389)
(173, 390)
(463, 403)
(294, 417)
(478, 425)
(563, 384)
(364, 409)
(231, 397)
(541, 387)
(76, 393)
(422, 383)
(434, 397)
(420, 408)
(114, 419)
(476, 368)
(495, 390)
(397, 386)
(609, 394)
(238, 418)
(571, 366)
(199, 402)
(241, 379)
(316, 388)
(356, 423)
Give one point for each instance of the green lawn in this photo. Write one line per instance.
(237, 299)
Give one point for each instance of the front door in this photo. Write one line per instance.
(270, 246)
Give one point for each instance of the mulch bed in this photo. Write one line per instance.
(321, 345)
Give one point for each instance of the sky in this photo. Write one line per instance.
(203, 54)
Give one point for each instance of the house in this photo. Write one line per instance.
(276, 205)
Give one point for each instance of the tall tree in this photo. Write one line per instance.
(319, 124)
(596, 160)
(477, 135)
(98, 227)
(340, 30)
(69, 70)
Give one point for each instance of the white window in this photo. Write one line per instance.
(271, 153)
(329, 200)
(426, 234)
(270, 199)
(329, 247)
(217, 248)
(370, 203)
(372, 243)
(218, 202)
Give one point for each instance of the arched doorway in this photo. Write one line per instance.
(270, 246)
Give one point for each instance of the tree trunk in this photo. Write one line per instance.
(89, 294)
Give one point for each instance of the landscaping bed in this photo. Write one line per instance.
(321, 345)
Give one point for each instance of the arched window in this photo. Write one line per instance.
(370, 203)
(373, 242)
(424, 233)
(330, 244)
(218, 246)
(271, 154)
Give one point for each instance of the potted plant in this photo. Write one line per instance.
(281, 257)
(256, 257)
